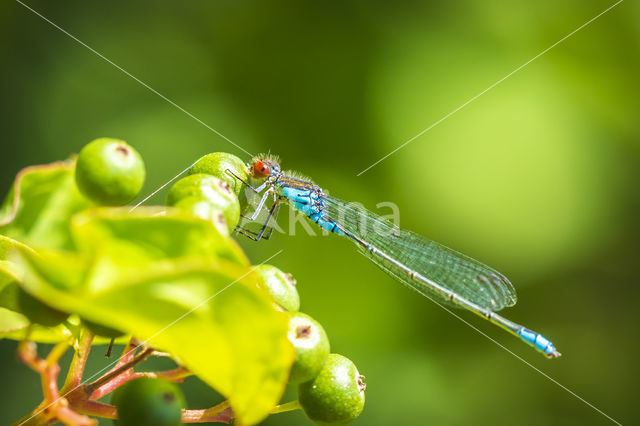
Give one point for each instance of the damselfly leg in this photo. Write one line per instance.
(272, 212)
(256, 190)
(261, 234)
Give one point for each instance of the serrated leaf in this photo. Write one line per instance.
(40, 204)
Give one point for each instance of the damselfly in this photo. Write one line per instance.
(430, 268)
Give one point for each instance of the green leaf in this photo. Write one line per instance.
(14, 325)
(126, 241)
(208, 312)
(11, 321)
(9, 277)
(40, 204)
(160, 274)
(151, 233)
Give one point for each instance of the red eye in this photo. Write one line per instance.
(261, 169)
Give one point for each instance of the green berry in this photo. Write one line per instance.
(38, 312)
(204, 209)
(217, 163)
(101, 330)
(149, 402)
(281, 286)
(311, 345)
(336, 395)
(109, 172)
(216, 191)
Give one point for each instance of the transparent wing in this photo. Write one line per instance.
(467, 277)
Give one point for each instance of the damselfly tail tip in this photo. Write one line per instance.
(554, 354)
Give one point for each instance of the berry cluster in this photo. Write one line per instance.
(330, 389)
(109, 172)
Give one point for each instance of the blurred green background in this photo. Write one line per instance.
(538, 177)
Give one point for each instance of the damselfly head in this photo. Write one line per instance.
(264, 167)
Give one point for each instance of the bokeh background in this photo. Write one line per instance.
(538, 177)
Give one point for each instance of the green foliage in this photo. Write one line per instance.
(38, 312)
(101, 330)
(161, 274)
(151, 233)
(149, 402)
(40, 204)
(13, 318)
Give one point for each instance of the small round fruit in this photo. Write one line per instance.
(37, 312)
(336, 395)
(217, 163)
(149, 402)
(109, 172)
(216, 191)
(281, 286)
(311, 345)
(101, 330)
(204, 209)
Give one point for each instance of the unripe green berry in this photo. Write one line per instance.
(217, 163)
(204, 209)
(37, 312)
(109, 172)
(149, 402)
(311, 345)
(281, 286)
(336, 395)
(214, 190)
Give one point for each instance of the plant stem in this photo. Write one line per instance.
(97, 409)
(220, 413)
(76, 369)
(56, 353)
(34, 418)
(69, 417)
(128, 352)
(79, 400)
(53, 407)
(289, 406)
(118, 370)
(178, 374)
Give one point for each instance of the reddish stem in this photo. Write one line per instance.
(114, 383)
(178, 374)
(53, 407)
(118, 370)
(70, 417)
(97, 409)
(128, 352)
(49, 380)
(220, 413)
(80, 401)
